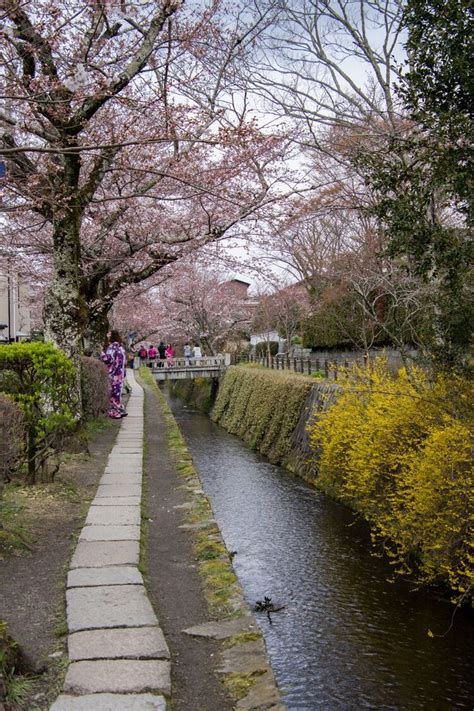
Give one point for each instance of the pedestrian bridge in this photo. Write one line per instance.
(190, 368)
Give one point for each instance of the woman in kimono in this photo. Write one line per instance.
(114, 358)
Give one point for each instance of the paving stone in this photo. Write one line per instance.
(245, 658)
(111, 575)
(132, 440)
(108, 490)
(125, 462)
(110, 702)
(117, 501)
(108, 606)
(121, 478)
(97, 554)
(263, 695)
(120, 516)
(119, 676)
(110, 533)
(224, 629)
(129, 643)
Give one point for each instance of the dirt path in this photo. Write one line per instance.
(31, 583)
(172, 579)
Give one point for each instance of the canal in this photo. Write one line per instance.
(347, 638)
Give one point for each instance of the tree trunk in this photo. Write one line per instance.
(64, 311)
(95, 332)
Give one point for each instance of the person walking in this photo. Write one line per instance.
(152, 353)
(114, 358)
(187, 352)
(161, 353)
(169, 354)
(143, 354)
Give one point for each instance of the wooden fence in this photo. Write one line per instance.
(309, 366)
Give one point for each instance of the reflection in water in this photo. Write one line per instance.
(347, 638)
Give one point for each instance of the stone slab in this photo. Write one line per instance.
(119, 676)
(110, 575)
(110, 533)
(129, 643)
(109, 702)
(121, 478)
(120, 469)
(120, 465)
(108, 606)
(224, 629)
(97, 554)
(117, 501)
(244, 658)
(263, 694)
(120, 516)
(108, 490)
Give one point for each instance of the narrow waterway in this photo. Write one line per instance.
(347, 638)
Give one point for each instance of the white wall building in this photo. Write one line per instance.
(266, 338)
(14, 307)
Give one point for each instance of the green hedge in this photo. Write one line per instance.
(262, 407)
(42, 380)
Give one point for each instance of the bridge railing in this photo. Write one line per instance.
(205, 362)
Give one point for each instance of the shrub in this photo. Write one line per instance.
(95, 387)
(12, 438)
(42, 380)
(262, 407)
(397, 449)
(261, 349)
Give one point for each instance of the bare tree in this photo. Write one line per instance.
(327, 63)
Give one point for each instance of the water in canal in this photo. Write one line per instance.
(347, 639)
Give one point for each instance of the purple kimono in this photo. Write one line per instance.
(115, 360)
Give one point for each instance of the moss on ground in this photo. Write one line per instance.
(239, 684)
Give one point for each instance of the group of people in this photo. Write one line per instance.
(166, 354)
(115, 358)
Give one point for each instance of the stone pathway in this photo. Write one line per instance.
(119, 657)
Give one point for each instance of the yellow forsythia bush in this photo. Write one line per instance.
(398, 449)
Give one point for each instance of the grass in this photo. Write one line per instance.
(15, 536)
(242, 638)
(96, 426)
(18, 687)
(239, 684)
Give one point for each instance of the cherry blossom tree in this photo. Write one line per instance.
(282, 310)
(203, 308)
(125, 148)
